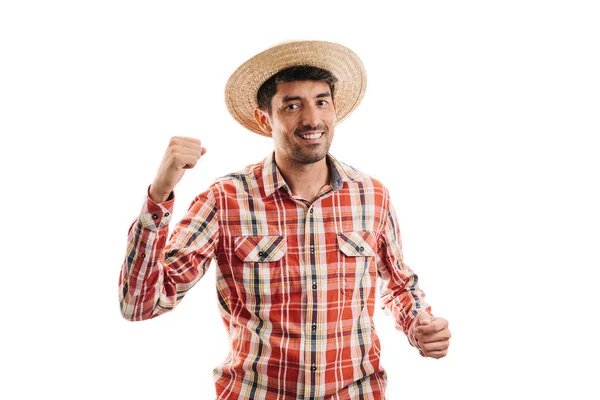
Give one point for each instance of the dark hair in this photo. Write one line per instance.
(292, 74)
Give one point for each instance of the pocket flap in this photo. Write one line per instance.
(260, 248)
(357, 244)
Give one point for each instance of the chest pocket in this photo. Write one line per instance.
(357, 261)
(258, 273)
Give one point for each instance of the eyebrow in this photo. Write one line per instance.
(293, 98)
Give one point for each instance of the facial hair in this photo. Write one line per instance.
(300, 154)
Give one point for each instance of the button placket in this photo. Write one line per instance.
(312, 313)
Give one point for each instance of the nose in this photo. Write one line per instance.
(311, 116)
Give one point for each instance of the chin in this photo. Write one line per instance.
(310, 158)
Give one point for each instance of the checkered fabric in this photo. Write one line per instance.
(295, 280)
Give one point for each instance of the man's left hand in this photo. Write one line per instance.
(432, 335)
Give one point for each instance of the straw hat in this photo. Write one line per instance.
(243, 85)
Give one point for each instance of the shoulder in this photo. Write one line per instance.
(245, 179)
(356, 176)
(358, 183)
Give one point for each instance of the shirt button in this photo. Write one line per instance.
(312, 210)
(312, 249)
(314, 286)
(154, 216)
(167, 214)
(261, 254)
(143, 256)
(362, 248)
(313, 368)
(314, 327)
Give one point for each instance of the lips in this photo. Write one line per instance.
(310, 133)
(312, 136)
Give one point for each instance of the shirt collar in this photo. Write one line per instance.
(340, 173)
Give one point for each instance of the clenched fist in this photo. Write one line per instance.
(432, 335)
(183, 153)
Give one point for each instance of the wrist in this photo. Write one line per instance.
(157, 195)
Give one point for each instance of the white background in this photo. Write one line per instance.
(481, 117)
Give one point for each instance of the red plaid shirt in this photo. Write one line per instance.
(295, 280)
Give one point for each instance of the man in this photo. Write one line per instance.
(299, 241)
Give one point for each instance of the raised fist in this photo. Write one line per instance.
(183, 153)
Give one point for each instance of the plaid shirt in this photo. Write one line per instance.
(295, 280)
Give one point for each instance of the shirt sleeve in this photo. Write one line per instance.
(399, 289)
(156, 274)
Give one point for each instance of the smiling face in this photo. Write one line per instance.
(301, 121)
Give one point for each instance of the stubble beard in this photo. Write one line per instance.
(303, 157)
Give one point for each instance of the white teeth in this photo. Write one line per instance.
(313, 136)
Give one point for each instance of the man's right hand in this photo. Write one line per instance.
(183, 153)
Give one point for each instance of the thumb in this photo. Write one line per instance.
(423, 319)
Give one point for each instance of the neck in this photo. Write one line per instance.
(304, 180)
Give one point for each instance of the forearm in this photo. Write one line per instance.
(402, 297)
(141, 279)
(157, 273)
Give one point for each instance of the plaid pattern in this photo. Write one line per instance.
(295, 281)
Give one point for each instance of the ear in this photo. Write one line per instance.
(263, 120)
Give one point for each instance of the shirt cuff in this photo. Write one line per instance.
(154, 215)
(411, 331)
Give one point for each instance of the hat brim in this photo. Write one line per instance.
(243, 85)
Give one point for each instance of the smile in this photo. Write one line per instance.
(312, 136)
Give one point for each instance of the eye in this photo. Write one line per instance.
(292, 106)
(322, 102)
